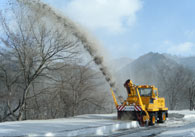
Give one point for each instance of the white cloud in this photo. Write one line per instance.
(109, 15)
(185, 48)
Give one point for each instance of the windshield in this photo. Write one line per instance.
(145, 91)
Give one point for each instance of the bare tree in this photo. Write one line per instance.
(78, 87)
(9, 76)
(74, 89)
(191, 95)
(36, 46)
(174, 82)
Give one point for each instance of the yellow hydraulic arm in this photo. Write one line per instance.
(145, 118)
(114, 98)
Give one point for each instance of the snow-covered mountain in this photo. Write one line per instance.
(145, 69)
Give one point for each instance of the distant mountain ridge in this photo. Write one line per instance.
(147, 68)
(144, 69)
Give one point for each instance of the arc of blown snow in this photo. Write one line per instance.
(45, 10)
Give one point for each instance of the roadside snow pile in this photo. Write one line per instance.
(92, 124)
(186, 115)
(183, 112)
(189, 117)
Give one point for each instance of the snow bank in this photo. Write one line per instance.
(97, 125)
(103, 130)
(183, 112)
(189, 117)
(185, 115)
(179, 123)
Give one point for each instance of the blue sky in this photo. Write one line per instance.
(130, 28)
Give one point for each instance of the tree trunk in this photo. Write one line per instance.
(21, 112)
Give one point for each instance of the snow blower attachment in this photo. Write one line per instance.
(142, 104)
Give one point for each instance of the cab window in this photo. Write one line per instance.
(145, 91)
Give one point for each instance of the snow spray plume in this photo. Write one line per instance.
(90, 46)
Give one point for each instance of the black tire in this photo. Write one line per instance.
(162, 117)
(141, 120)
(153, 118)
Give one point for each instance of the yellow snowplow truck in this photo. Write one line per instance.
(142, 104)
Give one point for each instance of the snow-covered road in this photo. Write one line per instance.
(91, 124)
(180, 123)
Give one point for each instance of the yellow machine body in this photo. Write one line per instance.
(142, 104)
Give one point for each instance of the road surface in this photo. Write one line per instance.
(180, 123)
(176, 125)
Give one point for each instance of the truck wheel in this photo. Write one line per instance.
(162, 117)
(152, 119)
